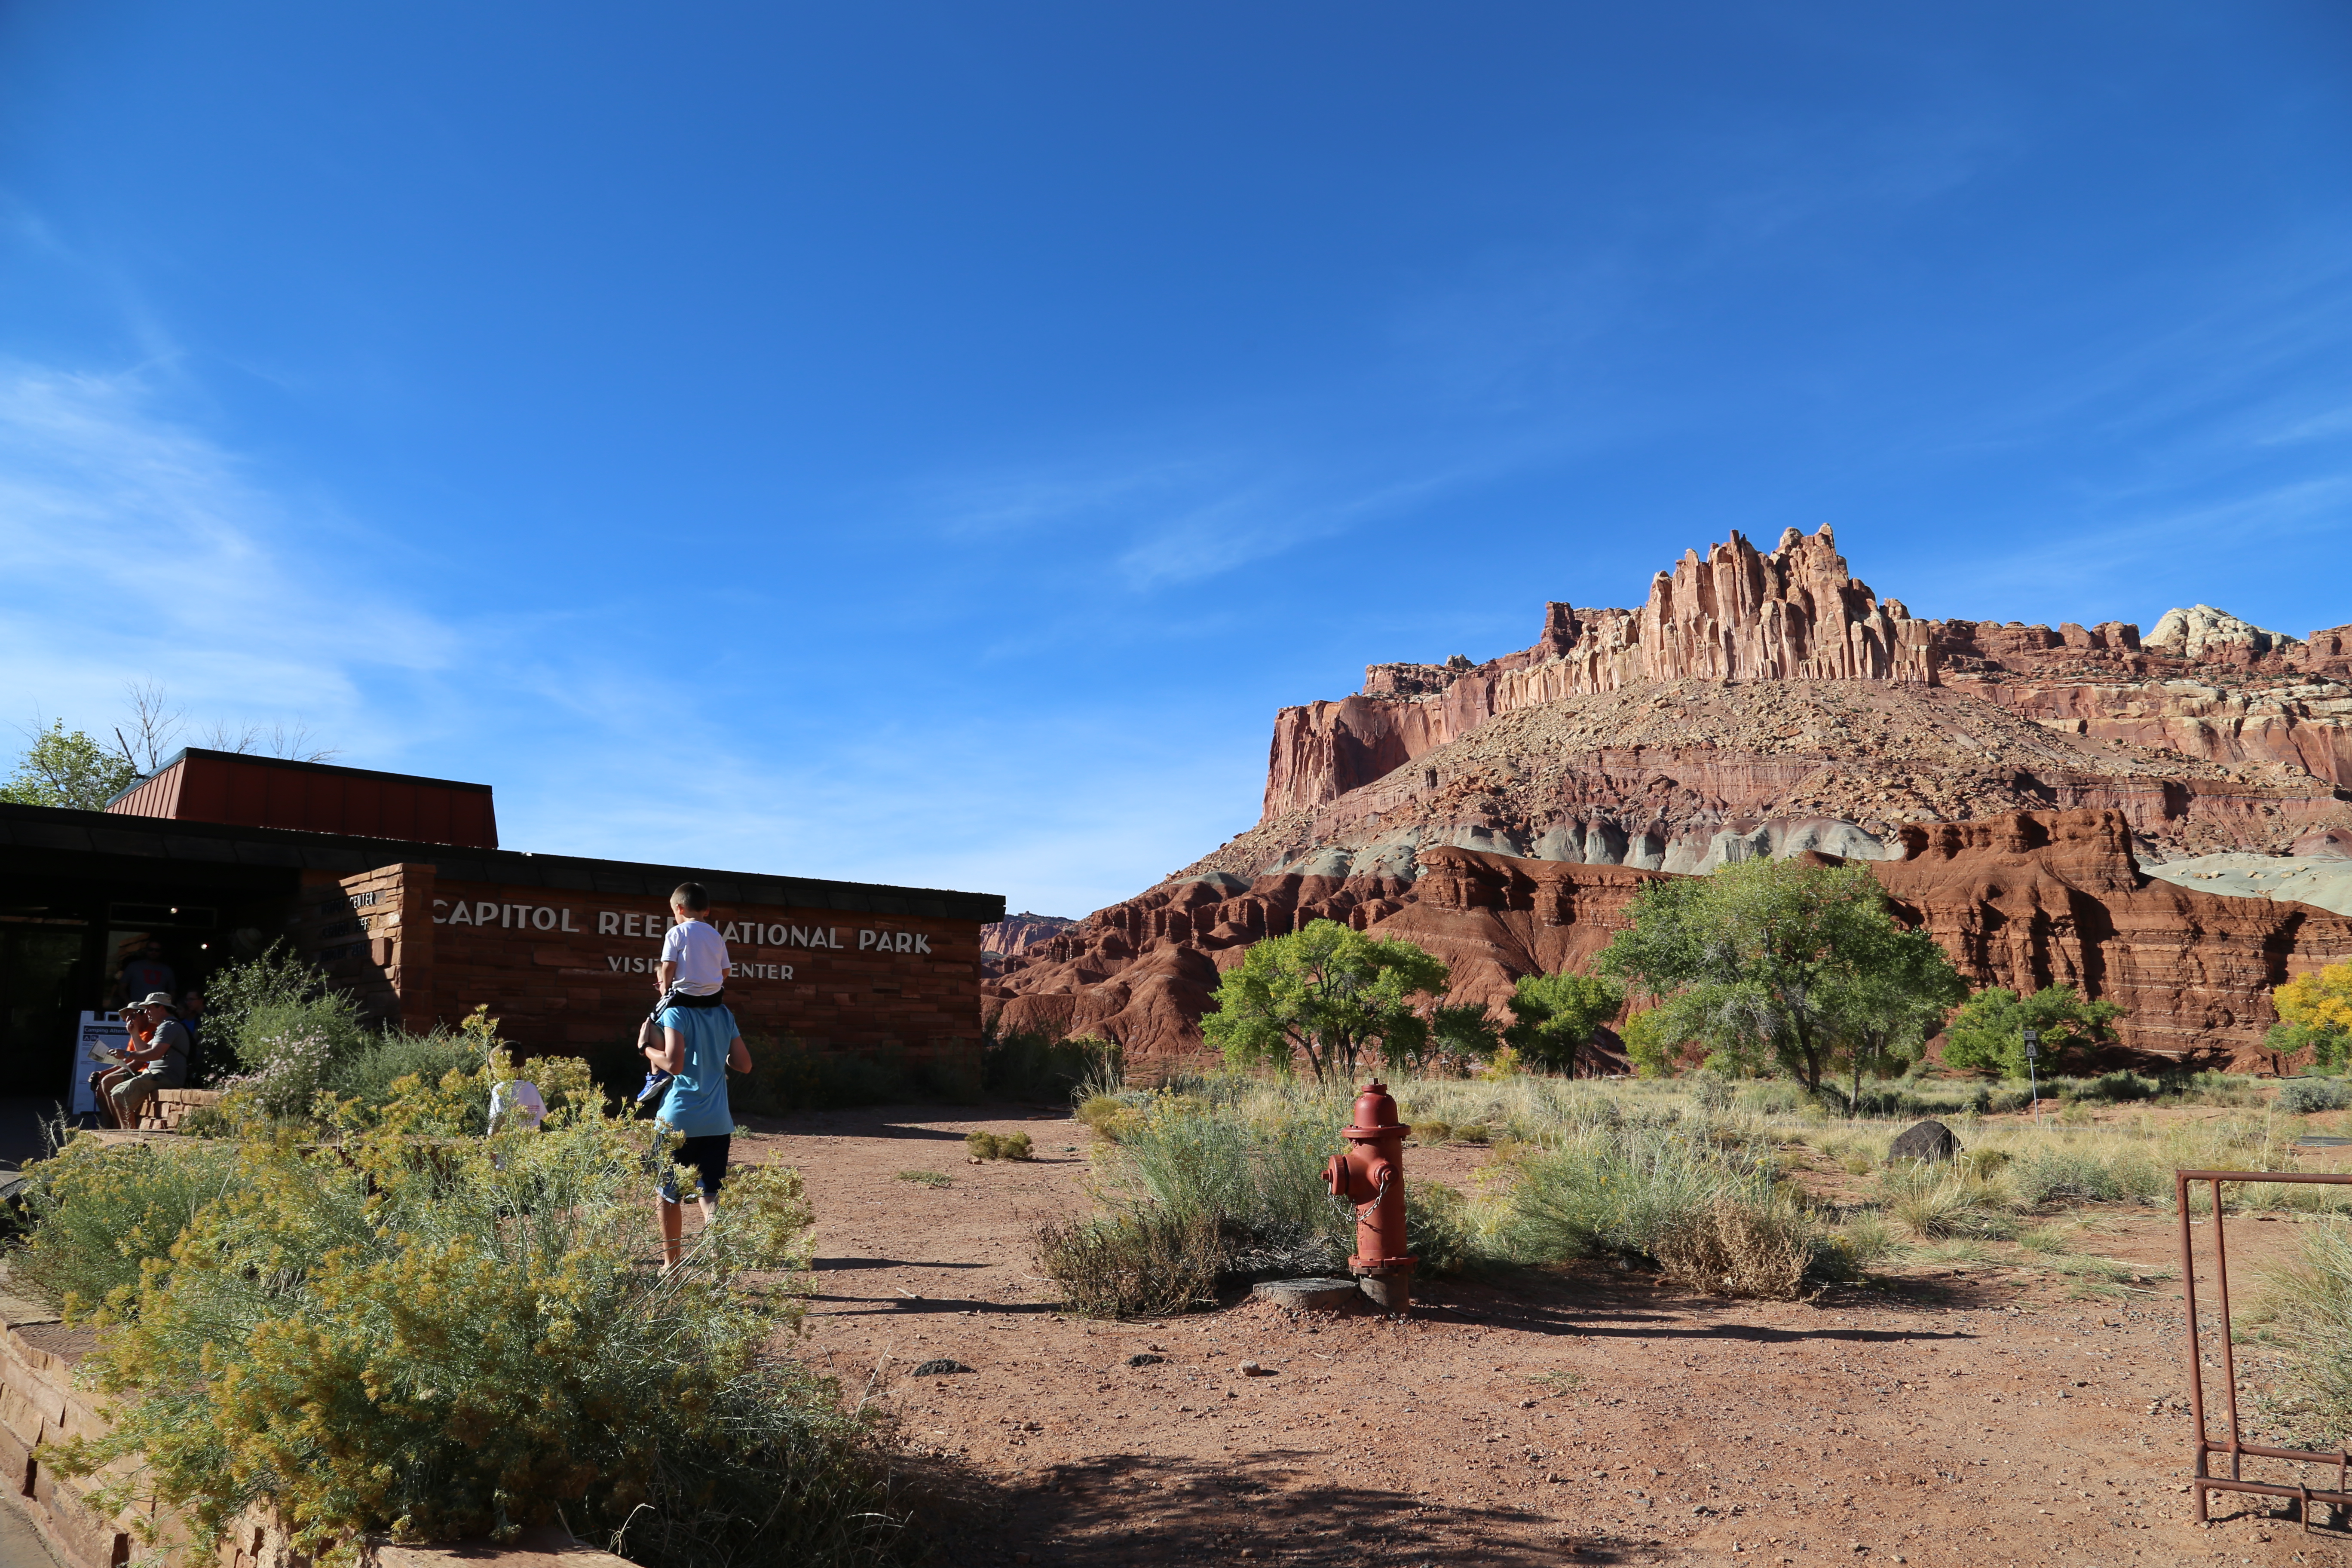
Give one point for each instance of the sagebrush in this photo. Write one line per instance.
(406, 1329)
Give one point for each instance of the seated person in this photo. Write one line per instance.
(114, 1069)
(162, 1061)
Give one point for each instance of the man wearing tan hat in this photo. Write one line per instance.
(162, 1061)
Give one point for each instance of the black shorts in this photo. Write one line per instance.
(708, 1155)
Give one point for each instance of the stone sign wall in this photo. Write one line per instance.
(567, 970)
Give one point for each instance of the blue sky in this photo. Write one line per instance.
(925, 443)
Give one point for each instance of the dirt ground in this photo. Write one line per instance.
(1578, 1414)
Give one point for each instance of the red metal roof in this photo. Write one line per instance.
(198, 786)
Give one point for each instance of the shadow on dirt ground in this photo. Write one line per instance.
(1126, 1509)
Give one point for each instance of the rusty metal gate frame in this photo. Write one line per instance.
(2237, 1447)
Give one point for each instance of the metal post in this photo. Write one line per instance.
(2196, 1360)
(2229, 1351)
(2032, 1051)
(2203, 1478)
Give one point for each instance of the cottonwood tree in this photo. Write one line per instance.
(70, 768)
(67, 768)
(1463, 1033)
(1776, 965)
(1988, 1033)
(1901, 988)
(1552, 1015)
(1327, 992)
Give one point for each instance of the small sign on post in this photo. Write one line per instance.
(2033, 1078)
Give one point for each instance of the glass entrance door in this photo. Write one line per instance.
(40, 997)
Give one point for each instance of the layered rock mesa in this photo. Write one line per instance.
(2214, 690)
(1503, 814)
(2028, 899)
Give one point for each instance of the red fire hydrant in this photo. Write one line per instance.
(1371, 1176)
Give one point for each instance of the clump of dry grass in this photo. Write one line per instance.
(1934, 1204)
(1734, 1247)
(1142, 1262)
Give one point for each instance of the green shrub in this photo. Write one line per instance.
(2313, 1296)
(1432, 1131)
(999, 1145)
(1113, 1116)
(2303, 1096)
(237, 991)
(1934, 1203)
(927, 1178)
(1864, 1240)
(2121, 1087)
(1476, 1132)
(1713, 1090)
(1261, 1180)
(1034, 1064)
(1620, 1190)
(1771, 1098)
(1438, 1227)
(100, 1212)
(413, 1333)
(1131, 1263)
(786, 1076)
(369, 1072)
(2056, 1173)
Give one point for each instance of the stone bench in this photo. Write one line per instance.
(171, 1107)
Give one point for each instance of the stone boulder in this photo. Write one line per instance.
(2190, 632)
(1930, 1141)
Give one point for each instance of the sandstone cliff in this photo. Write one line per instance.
(2217, 692)
(2024, 901)
(1018, 933)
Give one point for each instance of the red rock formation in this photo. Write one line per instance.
(1017, 933)
(2049, 898)
(1737, 614)
(1795, 615)
(2029, 900)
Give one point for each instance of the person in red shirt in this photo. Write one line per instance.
(102, 1081)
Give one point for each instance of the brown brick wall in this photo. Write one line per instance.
(360, 932)
(563, 971)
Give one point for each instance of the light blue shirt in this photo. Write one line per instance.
(696, 1101)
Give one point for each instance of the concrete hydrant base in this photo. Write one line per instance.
(1312, 1295)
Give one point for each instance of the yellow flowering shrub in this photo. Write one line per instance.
(400, 1328)
(2316, 1015)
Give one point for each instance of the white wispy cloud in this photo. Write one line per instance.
(136, 548)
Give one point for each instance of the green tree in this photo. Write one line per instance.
(1329, 993)
(66, 767)
(1898, 995)
(1464, 1033)
(1651, 1043)
(1987, 1034)
(1771, 965)
(1553, 1014)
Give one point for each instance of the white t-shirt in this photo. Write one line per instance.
(700, 954)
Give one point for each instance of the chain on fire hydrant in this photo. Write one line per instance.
(1371, 1176)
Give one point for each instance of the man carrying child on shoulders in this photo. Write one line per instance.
(698, 1044)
